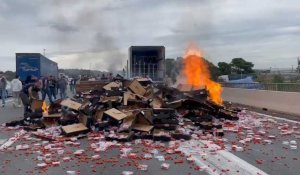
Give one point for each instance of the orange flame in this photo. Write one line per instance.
(197, 74)
(44, 107)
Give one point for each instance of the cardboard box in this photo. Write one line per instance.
(147, 115)
(175, 104)
(156, 102)
(74, 129)
(161, 135)
(36, 104)
(55, 107)
(99, 115)
(106, 99)
(163, 113)
(137, 88)
(128, 123)
(143, 127)
(125, 137)
(149, 93)
(110, 85)
(83, 119)
(115, 114)
(53, 116)
(71, 104)
(130, 120)
(127, 96)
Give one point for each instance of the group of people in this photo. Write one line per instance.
(49, 87)
(29, 90)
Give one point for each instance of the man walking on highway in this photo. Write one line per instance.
(46, 89)
(3, 85)
(52, 86)
(72, 85)
(16, 87)
(62, 86)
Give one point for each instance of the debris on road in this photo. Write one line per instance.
(152, 126)
(124, 110)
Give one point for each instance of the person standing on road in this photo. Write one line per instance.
(28, 93)
(16, 87)
(46, 89)
(62, 86)
(72, 85)
(52, 86)
(3, 85)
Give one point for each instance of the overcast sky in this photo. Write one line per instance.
(97, 33)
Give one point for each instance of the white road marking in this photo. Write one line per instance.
(277, 118)
(219, 161)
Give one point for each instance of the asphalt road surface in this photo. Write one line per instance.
(272, 158)
(25, 162)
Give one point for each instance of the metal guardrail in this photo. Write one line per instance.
(287, 87)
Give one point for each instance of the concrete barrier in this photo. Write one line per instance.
(288, 102)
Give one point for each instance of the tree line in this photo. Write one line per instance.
(236, 66)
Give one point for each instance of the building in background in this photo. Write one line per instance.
(147, 61)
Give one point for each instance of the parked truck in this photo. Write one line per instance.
(34, 64)
(147, 61)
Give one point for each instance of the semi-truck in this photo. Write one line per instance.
(147, 61)
(34, 64)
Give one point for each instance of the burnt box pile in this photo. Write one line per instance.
(137, 109)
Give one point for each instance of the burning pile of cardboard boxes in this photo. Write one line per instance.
(133, 109)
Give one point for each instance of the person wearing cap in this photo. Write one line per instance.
(16, 87)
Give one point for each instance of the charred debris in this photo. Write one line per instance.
(124, 110)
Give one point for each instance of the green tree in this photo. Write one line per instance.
(170, 63)
(224, 68)
(214, 70)
(239, 65)
(9, 75)
(278, 78)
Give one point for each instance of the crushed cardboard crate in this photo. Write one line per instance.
(137, 88)
(115, 114)
(36, 104)
(71, 104)
(74, 129)
(111, 85)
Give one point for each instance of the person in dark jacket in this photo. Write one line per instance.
(46, 89)
(28, 94)
(72, 85)
(28, 80)
(52, 86)
(62, 86)
(3, 85)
